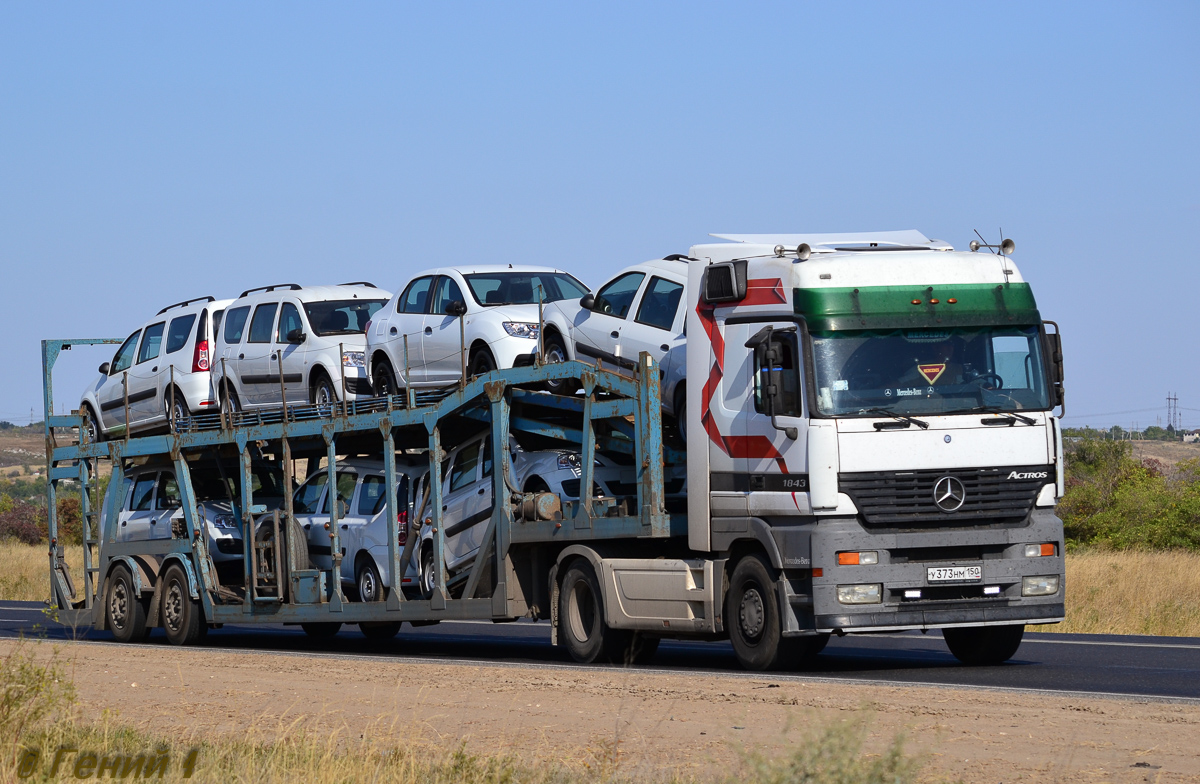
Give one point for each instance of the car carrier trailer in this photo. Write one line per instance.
(816, 504)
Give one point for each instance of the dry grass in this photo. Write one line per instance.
(1132, 592)
(25, 570)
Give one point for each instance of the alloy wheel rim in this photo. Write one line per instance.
(173, 607)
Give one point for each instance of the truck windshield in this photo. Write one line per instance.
(926, 371)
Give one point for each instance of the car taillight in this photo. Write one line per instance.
(200, 360)
(401, 528)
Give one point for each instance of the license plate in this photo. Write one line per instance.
(954, 574)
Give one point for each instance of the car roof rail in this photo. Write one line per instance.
(186, 302)
(360, 283)
(678, 257)
(288, 286)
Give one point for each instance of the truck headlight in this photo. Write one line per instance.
(860, 594)
(1044, 585)
(521, 329)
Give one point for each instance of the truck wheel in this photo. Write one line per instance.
(321, 630)
(983, 645)
(752, 615)
(379, 631)
(581, 619)
(182, 616)
(124, 608)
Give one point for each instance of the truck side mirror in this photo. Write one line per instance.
(770, 353)
(296, 336)
(1054, 358)
(587, 301)
(457, 308)
(104, 366)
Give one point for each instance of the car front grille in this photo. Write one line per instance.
(905, 499)
(229, 546)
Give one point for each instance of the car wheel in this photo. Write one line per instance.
(370, 586)
(752, 615)
(91, 426)
(428, 578)
(984, 645)
(681, 415)
(182, 616)
(323, 630)
(380, 631)
(175, 408)
(323, 396)
(124, 608)
(481, 362)
(384, 380)
(554, 351)
(229, 406)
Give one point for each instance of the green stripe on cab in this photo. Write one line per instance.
(892, 307)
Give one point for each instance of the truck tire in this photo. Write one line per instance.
(752, 616)
(983, 645)
(182, 616)
(323, 630)
(124, 609)
(582, 628)
(380, 631)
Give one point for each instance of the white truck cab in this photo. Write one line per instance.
(872, 421)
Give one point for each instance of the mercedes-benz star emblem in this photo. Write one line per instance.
(949, 494)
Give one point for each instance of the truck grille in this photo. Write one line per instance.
(903, 499)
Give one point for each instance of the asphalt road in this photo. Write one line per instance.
(1158, 668)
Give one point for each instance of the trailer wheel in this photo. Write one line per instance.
(752, 615)
(321, 630)
(182, 616)
(124, 608)
(581, 620)
(983, 645)
(379, 631)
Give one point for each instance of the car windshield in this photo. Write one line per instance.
(266, 484)
(341, 316)
(926, 371)
(521, 288)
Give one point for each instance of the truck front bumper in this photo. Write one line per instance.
(908, 599)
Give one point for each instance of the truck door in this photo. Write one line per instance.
(598, 331)
(766, 459)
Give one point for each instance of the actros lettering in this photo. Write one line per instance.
(1028, 475)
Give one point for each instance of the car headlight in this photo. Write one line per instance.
(521, 329)
(860, 594)
(569, 460)
(225, 521)
(354, 359)
(1044, 585)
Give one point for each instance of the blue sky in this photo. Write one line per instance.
(152, 153)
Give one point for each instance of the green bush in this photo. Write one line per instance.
(1117, 502)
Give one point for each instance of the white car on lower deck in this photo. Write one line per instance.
(418, 338)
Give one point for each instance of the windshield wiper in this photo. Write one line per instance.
(921, 423)
(1009, 415)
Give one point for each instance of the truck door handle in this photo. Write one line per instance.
(429, 330)
(394, 330)
(614, 334)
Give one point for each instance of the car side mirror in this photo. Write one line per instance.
(587, 301)
(456, 308)
(104, 366)
(296, 336)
